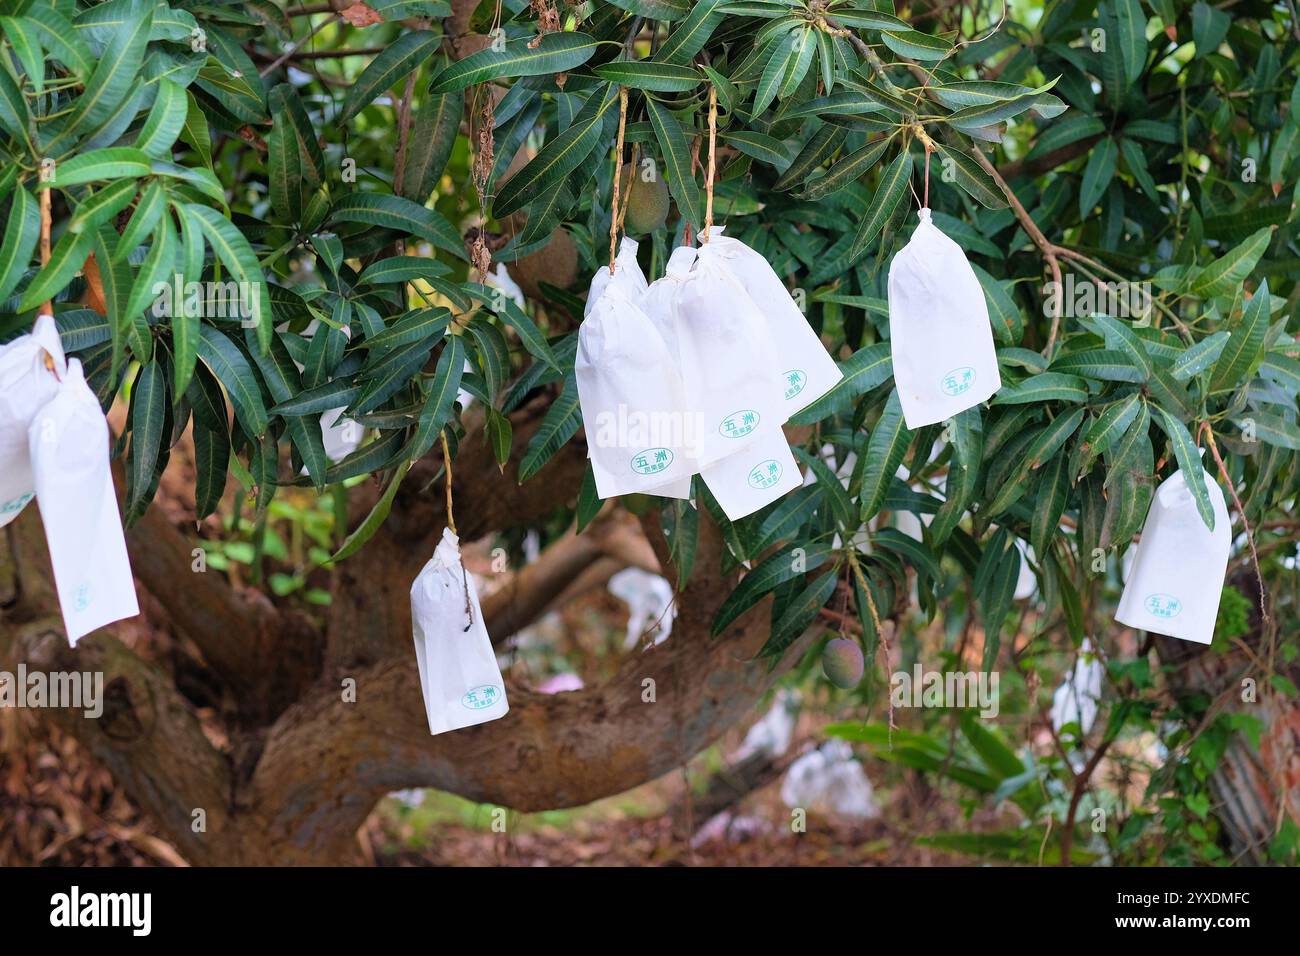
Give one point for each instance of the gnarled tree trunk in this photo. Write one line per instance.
(300, 764)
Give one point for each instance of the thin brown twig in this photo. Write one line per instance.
(1049, 251)
(618, 175)
(289, 53)
(1241, 510)
(708, 179)
(47, 308)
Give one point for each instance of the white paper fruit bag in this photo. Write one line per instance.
(808, 371)
(458, 670)
(26, 384)
(730, 368)
(632, 400)
(627, 275)
(755, 476)
(69, 445)
(939, 332)
(1177, 575)
(659, 301)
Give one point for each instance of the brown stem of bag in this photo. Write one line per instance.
(708, 176)
(47, 308)
(614, 218)
(1207, 431)
(46, 226)
(451, 525)
(928, 143)
(446, 463)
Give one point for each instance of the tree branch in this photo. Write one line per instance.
(327, 761)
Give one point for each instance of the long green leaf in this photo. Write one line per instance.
(885, 451)
(1246, 344)
(891, 192)
(395, 212)
(22, 230)
(1189, 460)
(677, 162)
(148, 413)
(399, 58)
(554, 53)
(558, 158)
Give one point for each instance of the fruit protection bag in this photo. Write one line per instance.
(659, 301)
(631, 395)
(458, 669)
(25, 386)
(69, 445)
(1177, 575)
(730, 368)
(627, 274)
(807, 370)
(939, 332)
(754, 476)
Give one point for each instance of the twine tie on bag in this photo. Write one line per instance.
(451, 523)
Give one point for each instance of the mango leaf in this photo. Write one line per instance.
(22, 230)
(886, 448)
(1097, 174)
(917, 45)
(399, 58)
(555, 53)
(558, 158)
(558, 425)
(891, 191)
(395, 212)
(1246, 344)
(148, 413)
(1228, 271)
(650, 75)
(677, 162)
(797, 616)
(1189, 461)
(378, 514)
(1046, 386)
(692, 33)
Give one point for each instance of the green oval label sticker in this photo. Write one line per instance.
(739, 424)
(795, 380)
(765, 474)
(481, 697)
(652, 461)
(958, 380)
(17, 504)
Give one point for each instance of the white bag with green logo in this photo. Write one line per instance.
(755, 476)
(808, 371)
(631, 397)
(25, 386)
(939, 332)
(1176, 579)
(729, 364)
(69, 445)
(458, 669)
